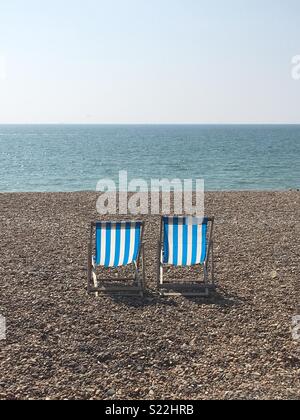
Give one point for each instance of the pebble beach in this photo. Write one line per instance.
(65, 344)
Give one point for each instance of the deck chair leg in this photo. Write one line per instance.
(212, 263)
(206, 280)
(161, 268)
(139, 283)
(161, 276)
(95, 281)
(140, 276)
(89, 277)
(205, 274)
(143, 270)
(89, 267)
(141, 287)
(158, 264)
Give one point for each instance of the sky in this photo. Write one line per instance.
(141, 61)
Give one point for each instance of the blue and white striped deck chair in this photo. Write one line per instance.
(113, 245)
(186, 242)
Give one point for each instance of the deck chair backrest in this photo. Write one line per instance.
(184, 240)
(117, 243)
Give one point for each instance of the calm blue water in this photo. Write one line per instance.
(74, 158)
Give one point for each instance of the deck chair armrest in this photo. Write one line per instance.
(159, 252)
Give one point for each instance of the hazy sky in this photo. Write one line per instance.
(197, 61)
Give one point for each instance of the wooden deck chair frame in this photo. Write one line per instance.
(94, 283)
(188, 287)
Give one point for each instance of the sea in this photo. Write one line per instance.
(57, 158)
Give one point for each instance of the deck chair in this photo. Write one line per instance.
(114, 245)
(186, 242)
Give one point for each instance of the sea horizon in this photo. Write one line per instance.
(151, 124)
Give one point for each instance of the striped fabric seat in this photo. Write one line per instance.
(117, 244)
(185, 241)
